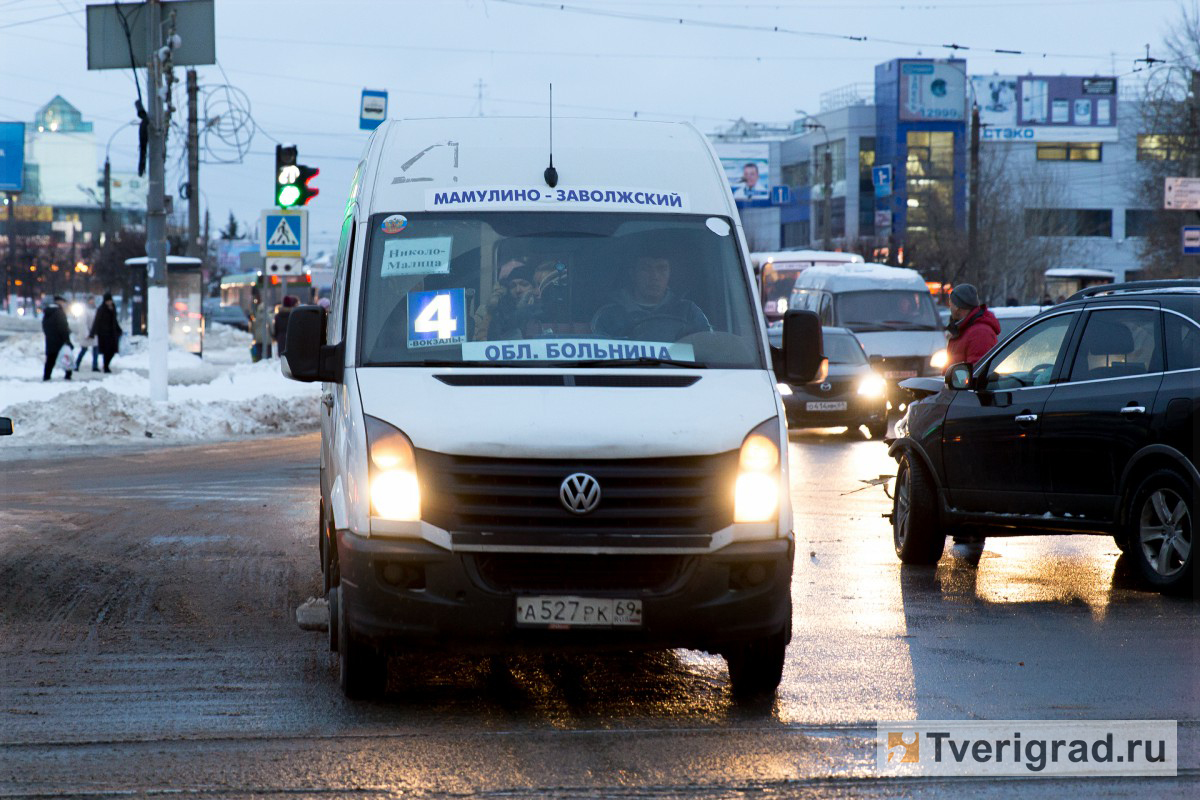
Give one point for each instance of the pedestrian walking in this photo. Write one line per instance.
(281, 322)
(107, 330)
(81, 333)
(58, 334)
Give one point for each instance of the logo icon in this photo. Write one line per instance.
(825, 387)
(579, 493)
(395, 223)
(902, 751)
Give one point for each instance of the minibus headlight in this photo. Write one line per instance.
(872, 385)
(756, 493)
(939, 359)
(395, 490)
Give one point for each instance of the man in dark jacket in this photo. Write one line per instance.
(973, 329)
(58, 333)
(106, 330)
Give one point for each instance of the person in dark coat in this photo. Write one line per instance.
(973, 328)
(58, 333)
(281, 322)
(106, 330)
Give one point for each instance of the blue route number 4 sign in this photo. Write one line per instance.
(437, 319)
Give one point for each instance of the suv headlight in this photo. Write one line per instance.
(939, 359)
(756, 494)
(395, 490)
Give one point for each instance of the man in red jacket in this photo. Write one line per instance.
(973, 329)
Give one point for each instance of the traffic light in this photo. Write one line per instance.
(291, 179)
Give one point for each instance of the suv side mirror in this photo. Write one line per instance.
(306, 357)
(802, 356)
(6, 428)
(959, 376)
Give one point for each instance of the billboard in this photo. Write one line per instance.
(12, 156)
(748, 170)
(1046, 108)
(933, 91)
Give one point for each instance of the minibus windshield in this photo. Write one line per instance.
(555, 288)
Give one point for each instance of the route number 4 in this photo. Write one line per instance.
(437, 318)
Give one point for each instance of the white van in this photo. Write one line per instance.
(889, 309)
(550, 412)
(777, 271)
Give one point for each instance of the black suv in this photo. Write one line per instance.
(1082, 421)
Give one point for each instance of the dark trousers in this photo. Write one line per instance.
(108, 357)
(51, 357)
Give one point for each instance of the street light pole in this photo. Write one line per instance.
(827, 183)
(156, 216)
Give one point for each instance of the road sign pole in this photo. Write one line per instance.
(156, 216)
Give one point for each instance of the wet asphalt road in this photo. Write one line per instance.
(148, 645)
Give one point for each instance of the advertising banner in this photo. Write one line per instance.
(748, 169)
(1046, 108)
(12, 156)
(932, 90)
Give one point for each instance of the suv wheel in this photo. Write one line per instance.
(1160, 532)
(915, 530)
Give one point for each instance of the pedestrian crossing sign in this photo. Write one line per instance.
(284, 232)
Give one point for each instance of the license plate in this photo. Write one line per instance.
(563, 611)
(899, 374)
(825, 405)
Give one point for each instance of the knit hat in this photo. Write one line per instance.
(965, 296)
(107, 296)
(290, 300)
(524, 272)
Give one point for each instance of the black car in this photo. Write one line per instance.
(852, 394)
(1082, 421)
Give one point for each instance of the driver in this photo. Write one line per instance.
(647, 309)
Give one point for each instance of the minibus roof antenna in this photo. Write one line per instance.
(551, 174)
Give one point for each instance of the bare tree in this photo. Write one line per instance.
(1170, 118)
(1020, 235)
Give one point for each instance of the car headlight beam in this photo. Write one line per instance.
(872, 385)
(757, 490)
(395, 488)
(940, 359)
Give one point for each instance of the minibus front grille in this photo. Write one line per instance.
(561, 572)
(653, 502)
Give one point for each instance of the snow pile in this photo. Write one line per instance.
(222, 395)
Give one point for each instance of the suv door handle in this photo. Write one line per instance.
(1129, 411)
(327, 400)
(1026, 417)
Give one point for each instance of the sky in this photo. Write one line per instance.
(296, 68)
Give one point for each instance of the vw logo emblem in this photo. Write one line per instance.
(579, 493)
(825, 387)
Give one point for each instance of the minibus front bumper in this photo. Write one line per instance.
(413, 593)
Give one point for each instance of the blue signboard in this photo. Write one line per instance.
(437, 319)
(1191, 240)
(12, 156)
(372, 110)
(781, 195)
(882, 178)
(283, 232)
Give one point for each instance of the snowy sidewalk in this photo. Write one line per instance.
(218, 397)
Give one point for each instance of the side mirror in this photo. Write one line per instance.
(802, 357)
(959, 376)
(5, 426)
(306, 357)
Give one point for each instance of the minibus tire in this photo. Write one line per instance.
(362, 670)
(756, 668)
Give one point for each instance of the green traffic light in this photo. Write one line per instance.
(288, 195)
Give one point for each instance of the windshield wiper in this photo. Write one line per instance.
(865, 327)
(898, 324)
